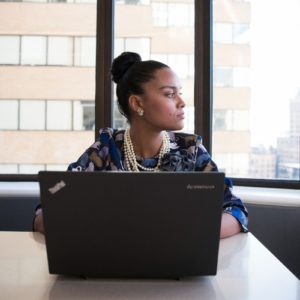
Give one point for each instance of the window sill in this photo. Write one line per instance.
(19, 189)
(251, 195)
(268, 196)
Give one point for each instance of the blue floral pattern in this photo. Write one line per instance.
(186, 154)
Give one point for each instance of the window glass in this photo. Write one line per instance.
(59, 115)
(256, 105)
(222, 33)
(172, 47)
(33, 50)
(60, 50)
(143, 44)
(9, 50)
(241, 33)
(32, 115)
(223, 76)
(85, 51)
(9, 114)
(43, 74)
(160, 14)
(84, 115)
(30, 168)
(8, 168)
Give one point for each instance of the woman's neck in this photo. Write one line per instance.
(146, 144)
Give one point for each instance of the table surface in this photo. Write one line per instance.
(246, 270)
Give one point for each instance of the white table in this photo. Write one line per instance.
(246, 270)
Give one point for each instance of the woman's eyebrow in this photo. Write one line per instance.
(170, 87)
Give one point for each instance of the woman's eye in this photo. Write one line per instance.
(171, 95)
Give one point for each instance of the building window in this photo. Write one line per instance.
(9, 110)
(222, 33)
(173, 14)
(9, 50)
(229, 33)
(84, 115)
(33, 50)
(60, 50)
(59, 115)
(182, 64)
(223, 76)
(32, 115)
(85, 51)
(141, 45)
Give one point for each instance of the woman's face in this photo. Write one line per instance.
(162, 102)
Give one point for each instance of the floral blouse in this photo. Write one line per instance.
(186, 154)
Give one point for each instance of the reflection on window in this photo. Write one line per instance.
(9, 50)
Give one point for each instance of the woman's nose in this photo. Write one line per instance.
(180, 101)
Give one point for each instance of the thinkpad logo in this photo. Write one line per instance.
(58, 186)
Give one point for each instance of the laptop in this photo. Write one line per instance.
(132, 225)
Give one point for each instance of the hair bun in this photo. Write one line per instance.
(122, 63)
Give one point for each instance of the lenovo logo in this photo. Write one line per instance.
(200, 187)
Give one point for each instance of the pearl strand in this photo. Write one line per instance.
(130, 156)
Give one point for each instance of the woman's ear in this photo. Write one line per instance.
(135, 103)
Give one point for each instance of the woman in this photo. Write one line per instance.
(149, 96)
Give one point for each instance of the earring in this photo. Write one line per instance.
(140, 112)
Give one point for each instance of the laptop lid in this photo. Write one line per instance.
(126, 224)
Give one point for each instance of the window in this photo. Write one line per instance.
(85, 51)
(60, 50)
(9, 50)
(33, 50)
(170, 14)
(32, 115)
(59, 115)
(255, 116)
(47, 65)
(84, 115)
(255, 108)
(175, 49)
(9, 110)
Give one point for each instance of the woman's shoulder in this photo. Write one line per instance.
(107, 133)
(184, 137)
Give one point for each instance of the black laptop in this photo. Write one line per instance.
(132, 225)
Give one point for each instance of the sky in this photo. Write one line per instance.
(275, 67)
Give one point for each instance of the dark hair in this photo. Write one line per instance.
(129, 72)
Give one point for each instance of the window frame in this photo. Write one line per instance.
(203, 87)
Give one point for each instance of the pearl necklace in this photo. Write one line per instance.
(130, 156)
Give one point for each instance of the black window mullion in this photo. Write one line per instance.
(104, 50)
(203, 71)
